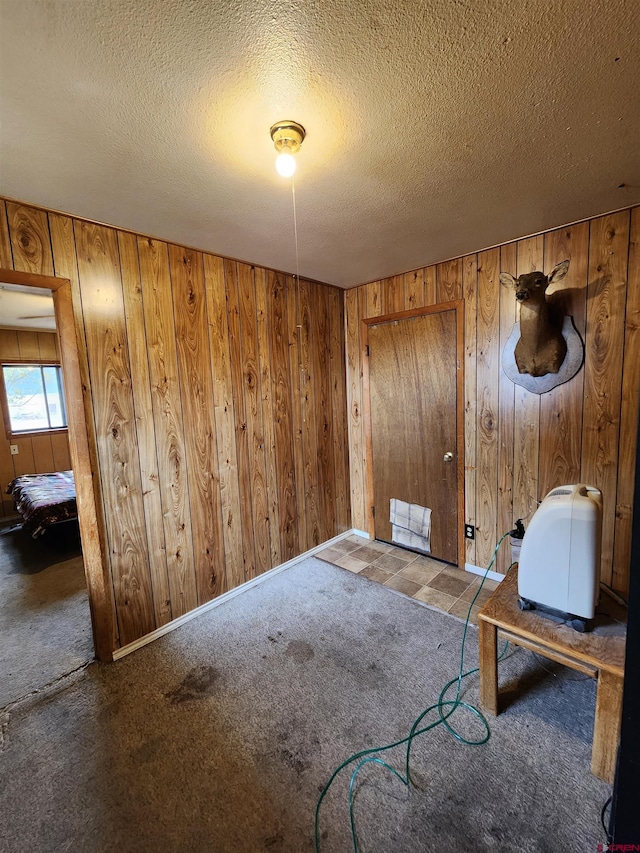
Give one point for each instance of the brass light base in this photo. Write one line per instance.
(289, 135)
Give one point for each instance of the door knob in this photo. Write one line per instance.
(448, 456)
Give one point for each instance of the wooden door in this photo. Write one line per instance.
(413, 385)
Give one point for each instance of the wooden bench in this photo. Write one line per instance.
(598, 654)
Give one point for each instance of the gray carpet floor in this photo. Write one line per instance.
(221, 735)
(45, 623)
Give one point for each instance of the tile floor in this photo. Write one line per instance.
(438, 584)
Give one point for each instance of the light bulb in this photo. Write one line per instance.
(285, 163)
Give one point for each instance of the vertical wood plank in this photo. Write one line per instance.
(28, 346)
(9, 347)
(392, 291)
(449, 280)
(309, 415)
(65, 265)
(267, 415)
(253, 416)
(24, 461)
(297, 375)
(196, 393)
(344, 412)
(506, 414)
(414, 289)
(370, 300)
(608, 257)
(281, 386)
(430, 285)
(224, 418)
(354, 403)
(6, 476)
(324, 414)
(338, 410)
(242, 440)
(6, 256)
(60, 450)
(145, 427)
(487, 405)
(364, 305)
(42, 454)
(103, 310)
(470, 292)
(561, 408)
(526, 427)
(30, 243)
(47, 347)
(628, 414)
(167, 413)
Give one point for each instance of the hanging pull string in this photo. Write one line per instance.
(295, 236)
(297, 288)
(369, 756)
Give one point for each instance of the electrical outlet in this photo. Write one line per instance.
(469, 531)
(14, 449)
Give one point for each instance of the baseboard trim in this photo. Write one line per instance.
(477, 570)
(226, 596)
(360, 533)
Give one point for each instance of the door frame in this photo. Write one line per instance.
(456, 305)
(82, 451)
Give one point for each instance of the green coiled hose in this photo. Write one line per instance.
(369, 756)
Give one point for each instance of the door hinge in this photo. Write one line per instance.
(366, 350)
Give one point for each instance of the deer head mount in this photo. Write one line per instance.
(542, 346)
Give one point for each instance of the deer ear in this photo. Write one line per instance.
(507, 280)
(559, 271)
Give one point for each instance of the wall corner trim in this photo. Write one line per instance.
(359, 533)
(226, 596)
(476, 570)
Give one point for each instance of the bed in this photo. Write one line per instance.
(44, 499)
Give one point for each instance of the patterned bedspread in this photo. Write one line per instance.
(44, 499)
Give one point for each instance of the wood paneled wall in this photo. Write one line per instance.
(37, 454)
(519, 445)
(216, 394)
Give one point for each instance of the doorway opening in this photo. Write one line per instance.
(45, 622)
(54, 577)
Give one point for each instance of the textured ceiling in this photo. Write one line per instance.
(434, 128)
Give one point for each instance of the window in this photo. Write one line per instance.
(34, 397)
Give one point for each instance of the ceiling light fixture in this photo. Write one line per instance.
(287, 137)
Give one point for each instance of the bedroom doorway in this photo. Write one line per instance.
(45, 620)
(98, 639)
